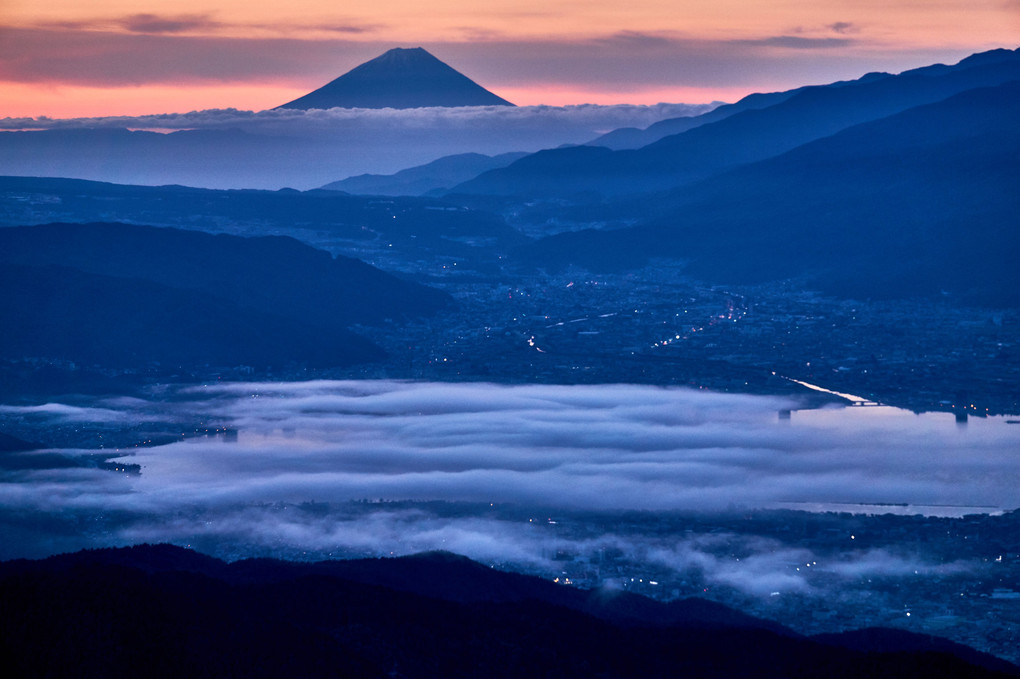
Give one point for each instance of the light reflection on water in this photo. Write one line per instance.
(864, 414)
(951, 511)
(948, 439)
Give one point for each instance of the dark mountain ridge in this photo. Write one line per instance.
(169, 611)
(10, 444)
(274, 274)
(359, 220)
(438, 175)
(128, 323)
(126, 295)
(744, 137)
(919, 203)
(633, 138)
(143, 156)
(400, 78)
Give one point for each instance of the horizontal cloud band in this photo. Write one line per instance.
(302, 468)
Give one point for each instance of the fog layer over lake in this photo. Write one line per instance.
(536, 448)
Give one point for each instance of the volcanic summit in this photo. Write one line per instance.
(400, 78)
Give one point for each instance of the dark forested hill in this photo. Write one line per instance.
(417, 181)
(632, 138)
(162, 611)
(123, 295)
(53, 312)
(744, 137)
(425, 223)
(274, 274)
(921, 202)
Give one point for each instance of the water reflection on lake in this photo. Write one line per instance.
(954, 446)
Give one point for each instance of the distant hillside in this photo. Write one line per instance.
(417, 181)
(56, 312)
(162, 611)
(421, 222)
(10, 444)
(123, 294)
(633, 138)
(744, 137)
(918, 203)
(230, 157)
(275, 274)
(400, 78)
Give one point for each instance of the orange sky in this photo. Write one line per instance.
(68, 58)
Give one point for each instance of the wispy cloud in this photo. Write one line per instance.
(60, 412)
(844, 27)
(149, 48)
(622, 447)
(641, 40)
(581, 118)
(143, 23)
(305, 454)
(320, 145)
(797, 42)
(156, 23)
(203, 24)
(349, 28)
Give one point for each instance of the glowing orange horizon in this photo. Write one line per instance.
(84, 102)
(68, 59)
(26, 101)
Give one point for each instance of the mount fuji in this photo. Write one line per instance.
(400, 78)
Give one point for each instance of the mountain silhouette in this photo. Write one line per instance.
(922, 202)
(421, 179)
(160, 611)
(400, 78)
(268, 274)
(633, 138)
(61, 313)
(122, 295)
(426, 224)
(744, 137)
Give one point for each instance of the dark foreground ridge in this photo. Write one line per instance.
(126, 295)
(166, 611)
(400, 78)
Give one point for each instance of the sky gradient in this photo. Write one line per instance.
(65, 58)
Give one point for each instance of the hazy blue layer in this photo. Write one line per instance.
(615, 447)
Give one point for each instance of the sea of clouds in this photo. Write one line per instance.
(580, 118)
(304, 454)
(229, 148)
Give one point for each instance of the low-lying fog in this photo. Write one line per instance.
(537, 449)
(227, 148)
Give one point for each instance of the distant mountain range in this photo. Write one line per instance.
(10, 444)
(165, 611)
(425, 223)
(400, 78)
(886, 186)
(921, 202)
(632, 138)
(746, 136)
(128, 296)
(434, 177)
